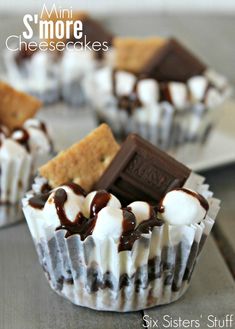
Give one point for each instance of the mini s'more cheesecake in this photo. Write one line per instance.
(118, 228)
(24, 144)
(159, 89)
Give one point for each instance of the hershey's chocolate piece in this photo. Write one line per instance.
(173, 62)
(95, 31)
(142, 172)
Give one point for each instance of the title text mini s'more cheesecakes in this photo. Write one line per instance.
(159, 89)
(24, 144)
(70, 46)
(118, 228)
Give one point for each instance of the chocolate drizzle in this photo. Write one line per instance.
(77, 189)
(99, 201)
(43, 128)
(38, 201)
(130, 234)
(85, 226)
(128, 103)
(203, 202)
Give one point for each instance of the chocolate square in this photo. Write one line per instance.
(142, 172)
(173, 62)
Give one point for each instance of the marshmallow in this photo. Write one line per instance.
(197, 87)
(213, 98)
(38, 140)
(148, 91)
(142, 211)
(108, 224)
(124, 83)
(183, 207)
(113, 202)
(178, 94)
(33, 122)
(72, 207)
(216, 79)
(10, 149)
(103, 80)
(75, 63)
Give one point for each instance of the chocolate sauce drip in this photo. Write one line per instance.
(129, 221)
(128, 103)
(38, 201)
(132, 234)
(203, 202)
(60, 198)
(85, 226)
(165, 94)
(43, 127)
(46, 188)
(99, 201)
(77, 189)
(24, 140)
(81, 225)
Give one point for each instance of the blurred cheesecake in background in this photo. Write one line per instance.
(159, 89)
(24, 145)
(58, 73)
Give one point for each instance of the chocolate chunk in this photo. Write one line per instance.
(96, 32)
(173, 62)
(142, 172)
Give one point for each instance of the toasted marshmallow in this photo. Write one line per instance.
(72, 207)
(102, 198)
(108, 224)
(10, 149)
(183, 207)
(124, 83)
(148, 91)
(141, 210)
(197, 87)
(178, 93)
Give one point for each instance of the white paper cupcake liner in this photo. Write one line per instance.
(73, 92)
(168, 128)
(15, 179)
(94, 274)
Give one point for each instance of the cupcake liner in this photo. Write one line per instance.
(94, 274)
(168, 128)
(10, 214)
(72, 93)
(15, 178)
(48, 95)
